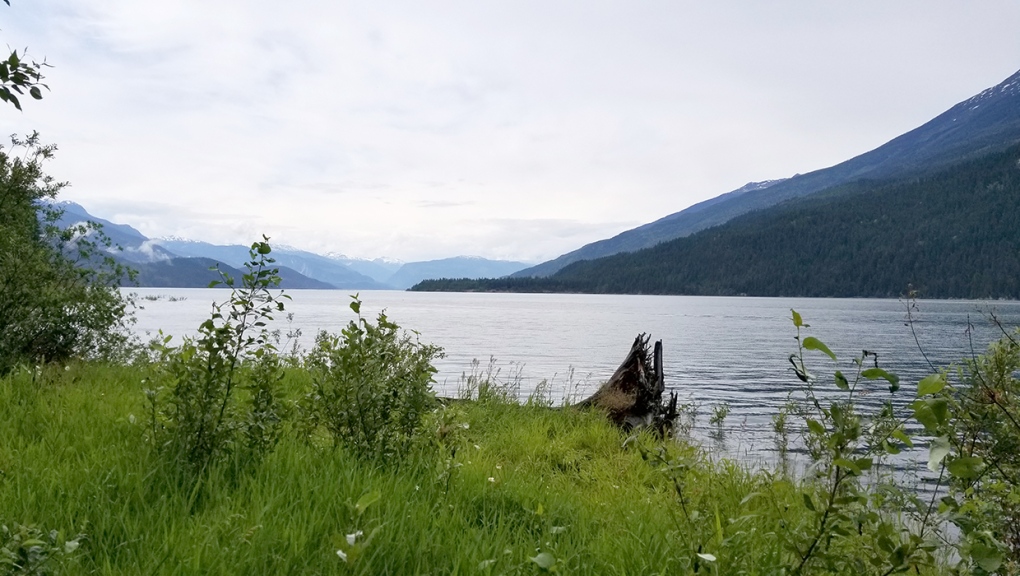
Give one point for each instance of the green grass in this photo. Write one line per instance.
(490, 488)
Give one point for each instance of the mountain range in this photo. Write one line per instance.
(985, 123)
(175, 262)
(937, 208)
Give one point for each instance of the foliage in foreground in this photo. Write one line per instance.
(227, 474)
(371, 386)
(196, 415)
(500, 488)
(972, 427)
(58, 295)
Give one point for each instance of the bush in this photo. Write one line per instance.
(976, 445)
(371, 386)
(202, 419)
(58, 292)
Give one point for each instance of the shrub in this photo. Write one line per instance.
(202, 419)
(371, 386)
(975, 426)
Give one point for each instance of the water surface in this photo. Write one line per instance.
(731, 350)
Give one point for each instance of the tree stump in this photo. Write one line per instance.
(632, 397)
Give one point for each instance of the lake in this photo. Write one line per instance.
(731, 350)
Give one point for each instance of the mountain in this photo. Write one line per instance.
(661, 230)
(158, 266)
(329, 270)
(378, 269)
(985, 123)
(197, 273)
(952, 233)
(176, 262)
(459, 267)
(135, 247)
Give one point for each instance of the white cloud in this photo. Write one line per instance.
(426, 130)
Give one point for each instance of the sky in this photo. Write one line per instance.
(509, 130)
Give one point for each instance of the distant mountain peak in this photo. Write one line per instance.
(751, 186)
(1008, 87)
(177, 239)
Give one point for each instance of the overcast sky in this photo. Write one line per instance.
(513, 130)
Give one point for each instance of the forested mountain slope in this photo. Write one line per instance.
(987, 122)
(950, 234)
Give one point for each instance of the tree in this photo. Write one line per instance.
(18, 75)
(58, 287)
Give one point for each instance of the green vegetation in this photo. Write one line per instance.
(497, 488)
(950, 234)
(239, 460)
(18, 75)
(58, 296)
(371, 387)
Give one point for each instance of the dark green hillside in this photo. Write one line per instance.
(986, 123)
(952, 234)
(199, 272)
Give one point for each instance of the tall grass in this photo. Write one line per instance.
(494, 487)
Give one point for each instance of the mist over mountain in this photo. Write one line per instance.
(982, 124)
(129, 244)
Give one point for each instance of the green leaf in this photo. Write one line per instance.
(797, 321)
(35, 92)
(815, 426)
(841, 381)
(937, 452)
(807, 501)
(940, 408)
(367, 500)
(966, 467)
(932, 384)
(544, 560)
(356, 306)
(900, 435)
(987, 557)
(847, 465)
(924, 415)
(876, 373)
(812, 343)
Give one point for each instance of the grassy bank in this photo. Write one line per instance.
(494, 488)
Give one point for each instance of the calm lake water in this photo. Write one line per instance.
(716, 350)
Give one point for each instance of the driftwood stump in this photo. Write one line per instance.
(632, 398)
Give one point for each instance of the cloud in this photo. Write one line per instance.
(403, 128)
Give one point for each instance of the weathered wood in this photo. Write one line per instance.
(632, 397)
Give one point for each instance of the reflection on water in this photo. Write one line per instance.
(717, 350)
